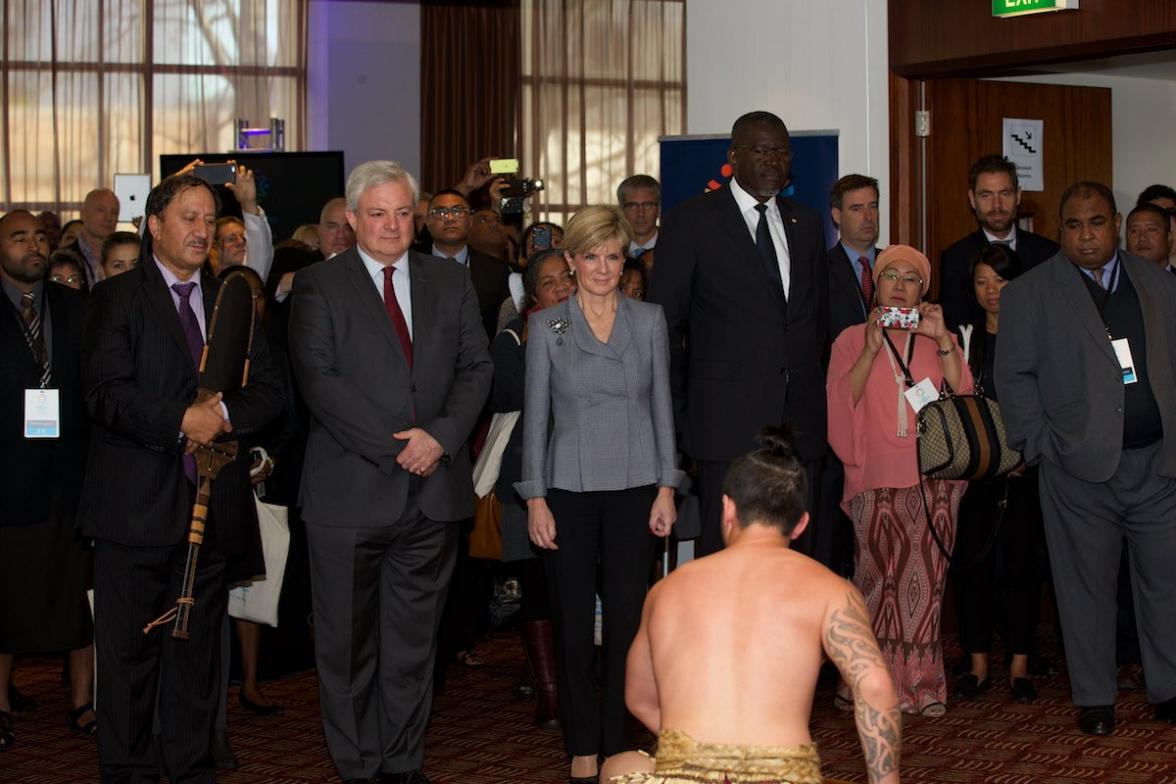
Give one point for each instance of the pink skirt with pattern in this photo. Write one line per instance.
(900, 571)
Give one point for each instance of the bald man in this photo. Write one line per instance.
(99, 220)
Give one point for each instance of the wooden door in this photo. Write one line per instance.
(967, 122)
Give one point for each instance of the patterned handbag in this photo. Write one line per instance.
(963, 437)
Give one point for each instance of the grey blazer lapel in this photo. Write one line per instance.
(1074, 291)
(370, 301)
(582, 332)
(622, 331)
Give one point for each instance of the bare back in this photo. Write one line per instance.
(735, 641)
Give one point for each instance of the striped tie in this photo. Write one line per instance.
(36, 340)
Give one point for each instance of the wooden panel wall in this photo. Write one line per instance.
(961, 37)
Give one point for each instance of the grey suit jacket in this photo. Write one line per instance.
(1061, 387)
(356, 382)
(597, 416)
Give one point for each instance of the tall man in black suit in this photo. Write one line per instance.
(449, 221)
(741, 276)
(143, 339)
(995, 194)
(390, 354)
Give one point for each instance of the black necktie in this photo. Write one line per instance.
(767, 250)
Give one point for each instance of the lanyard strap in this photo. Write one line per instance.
(910, 349)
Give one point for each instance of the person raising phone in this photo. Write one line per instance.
(879, 377)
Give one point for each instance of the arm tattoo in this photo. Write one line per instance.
(852, 647)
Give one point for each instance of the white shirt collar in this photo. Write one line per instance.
(170, 279)
(376, 269)
(1011, 241)
(462, 257)
(746, 201)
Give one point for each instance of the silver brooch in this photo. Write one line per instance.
(558, 326)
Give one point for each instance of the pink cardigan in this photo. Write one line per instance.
(864, 435)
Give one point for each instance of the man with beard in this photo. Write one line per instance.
(995, 195)
(741, 276)
(44, 565)
(144, 336)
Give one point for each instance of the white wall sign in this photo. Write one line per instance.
(1023, 145)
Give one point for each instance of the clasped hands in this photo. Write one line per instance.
(204, 421)
(421, 454)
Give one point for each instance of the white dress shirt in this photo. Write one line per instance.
(400, 283)
(462, 257)
(747, 204)
(636, 248)
(1011, 241)
(259, 243)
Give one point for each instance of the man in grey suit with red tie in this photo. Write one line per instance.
(391, 358)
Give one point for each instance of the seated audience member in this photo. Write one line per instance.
(69, 233)
(51, 223)
(640, 198)
(307, 234)
(335, 233)
(65, 267)
(726, 661)
(1163, 197)
(999, 518)
(99, 220)
(449, 223)
(548, 281)
(1149, 234)
(229, 243)
(120, 253)
(901, 555)
(45, 566)
(633, 280)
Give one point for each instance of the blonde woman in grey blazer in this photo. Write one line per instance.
(599, 472)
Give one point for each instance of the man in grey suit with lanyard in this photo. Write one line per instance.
(1085, 367)
(390, 356)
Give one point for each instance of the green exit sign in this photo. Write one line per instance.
(1007, 8)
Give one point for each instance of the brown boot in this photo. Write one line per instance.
(540, 643)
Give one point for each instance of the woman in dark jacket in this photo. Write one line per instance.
(546, 282)
(999, 516)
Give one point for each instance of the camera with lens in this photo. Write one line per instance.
(516, 192)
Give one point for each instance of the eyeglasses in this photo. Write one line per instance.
(644, 206)
(761, 153)
(443, 213)
(68, 281)
(908, 277)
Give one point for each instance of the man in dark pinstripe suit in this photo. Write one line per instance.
(141, 346)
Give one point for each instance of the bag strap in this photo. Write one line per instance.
(514, 335)
(906, 371)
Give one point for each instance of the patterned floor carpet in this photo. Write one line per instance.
(480, 734)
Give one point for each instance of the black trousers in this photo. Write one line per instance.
(378, 594)
(1013, 550)
(132, 586)
(818, 540)
(612, 529)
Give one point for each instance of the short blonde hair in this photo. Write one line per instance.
(591, 227)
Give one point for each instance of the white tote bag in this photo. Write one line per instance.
(257, 601)
(490, 458)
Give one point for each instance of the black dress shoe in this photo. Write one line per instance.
(1166, 711)
(407, 777)
(962, 667)
(970, 686)
(1097, 719)
(1024, 691)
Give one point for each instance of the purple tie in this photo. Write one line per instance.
(195, 340)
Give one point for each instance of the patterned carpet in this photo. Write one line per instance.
(480, 734)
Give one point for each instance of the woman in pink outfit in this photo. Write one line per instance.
(900, 564)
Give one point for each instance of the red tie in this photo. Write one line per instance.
(867, 282)
(397, 315)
